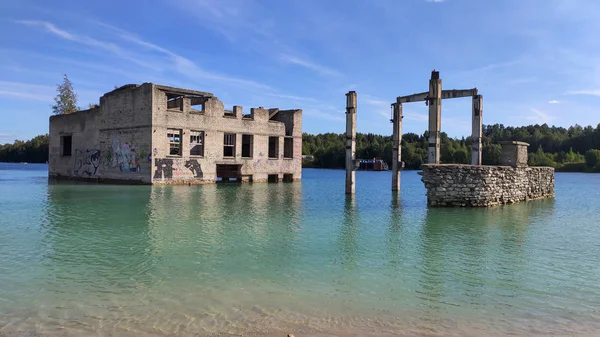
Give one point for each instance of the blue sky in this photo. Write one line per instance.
(535, 61)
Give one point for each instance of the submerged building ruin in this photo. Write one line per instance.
(455, 185)
(155, 134)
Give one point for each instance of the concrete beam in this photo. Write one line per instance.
(458, 93)
(435, 118)
(477, 130)
(351, 104)
(181, 91)
(446, 94)
(397, 149)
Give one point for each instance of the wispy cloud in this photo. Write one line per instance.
(540, 117)
(88, 41)
(415, 116)
(436, 1)
(291, 97)
(27, 91)
(323, 115)
(374, 101)
(182, 65)
(584, 92)
(554, 102)
(309, 65)
(5, 135)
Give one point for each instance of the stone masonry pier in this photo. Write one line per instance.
(453, 185)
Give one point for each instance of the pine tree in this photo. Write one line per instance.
(66, 99)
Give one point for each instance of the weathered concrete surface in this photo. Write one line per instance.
(435, 118)
(477, 130)
(514, 153)
(397, 148)
(125, 139)
(456, 185)
(351, 102)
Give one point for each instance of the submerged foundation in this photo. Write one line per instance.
(454, 185)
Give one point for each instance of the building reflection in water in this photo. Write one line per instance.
(348, 235)
(243, 231)
(96, 242)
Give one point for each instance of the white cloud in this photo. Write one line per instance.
(554, 102)
(436, 1)
(309, 65)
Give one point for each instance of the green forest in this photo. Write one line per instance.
(574, 149)
(566, 149)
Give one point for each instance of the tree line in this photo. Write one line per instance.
(566, 149)
(575, 148)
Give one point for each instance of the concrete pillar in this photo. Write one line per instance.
(477, 132)
(397, 141)
(435, 116)
(350, 141)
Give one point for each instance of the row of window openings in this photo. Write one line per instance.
(229, 140)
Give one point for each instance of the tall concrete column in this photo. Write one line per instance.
(435, 116)
(350, 141)
(397, 141)
(477, 132)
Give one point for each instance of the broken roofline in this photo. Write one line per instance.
(181, 91)
(169, 90)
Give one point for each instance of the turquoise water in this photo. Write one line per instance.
(269, 259)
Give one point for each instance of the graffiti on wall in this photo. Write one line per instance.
(86, 162)
(127, 156)
(164, 168)
(177, 169)
(194, 166)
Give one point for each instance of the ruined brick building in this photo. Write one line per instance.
(155, 134)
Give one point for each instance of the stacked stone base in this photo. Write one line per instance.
(456, 185)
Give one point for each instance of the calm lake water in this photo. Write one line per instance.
(269, 259)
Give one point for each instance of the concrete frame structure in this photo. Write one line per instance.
(433, 98)
(154, 134)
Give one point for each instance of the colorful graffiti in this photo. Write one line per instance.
(127, 156)
(86, 162)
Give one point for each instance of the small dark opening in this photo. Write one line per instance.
(67, 144)
(228, 172)
(229, 145)
(247, 141)
(273, 178)
(274, 147)
(175, 102)
(288, 178)
(288, 147)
